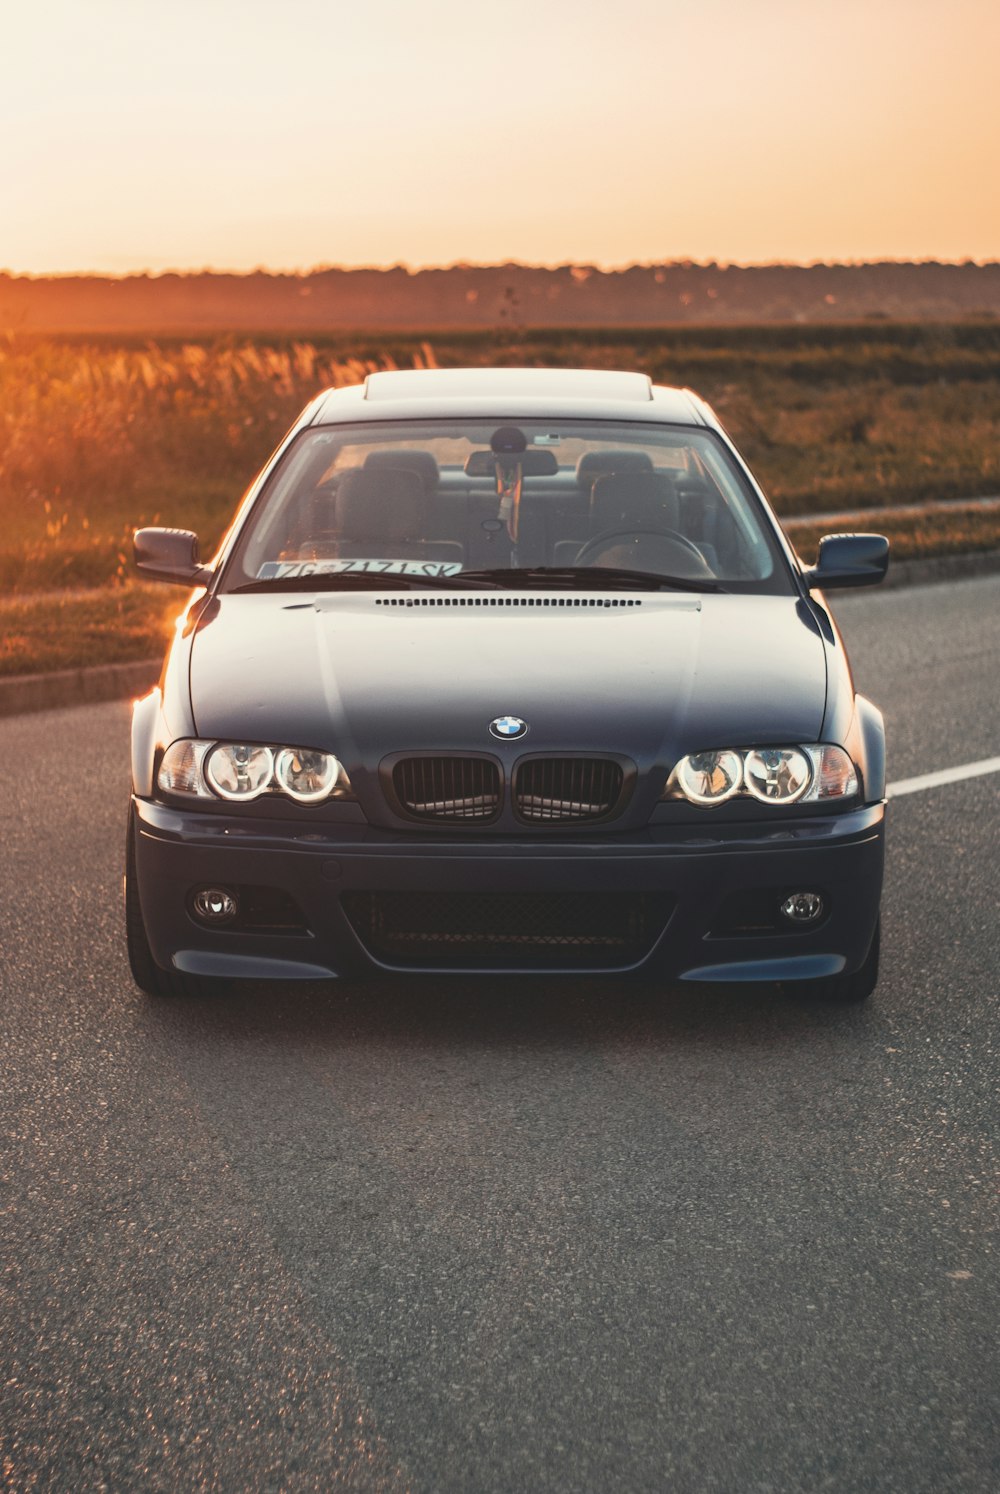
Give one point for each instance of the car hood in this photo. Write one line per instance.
(647, 676)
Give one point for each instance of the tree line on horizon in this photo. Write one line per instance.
(501, 297)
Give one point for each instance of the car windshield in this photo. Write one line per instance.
(437, 503)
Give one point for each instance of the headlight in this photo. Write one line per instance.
(236, 771)
(306, 776)
(772, 775)
(240, 772)
(710, 777)
(778, 775)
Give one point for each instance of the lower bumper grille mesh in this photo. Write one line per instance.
(508, 930)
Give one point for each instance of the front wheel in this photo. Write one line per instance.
(145, 971)
(844, 990)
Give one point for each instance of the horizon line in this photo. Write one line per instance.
(589, 266)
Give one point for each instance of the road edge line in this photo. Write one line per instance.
(942, 776)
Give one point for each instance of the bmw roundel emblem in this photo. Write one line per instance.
(508, 728)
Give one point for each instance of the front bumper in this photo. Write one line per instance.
(688, 876)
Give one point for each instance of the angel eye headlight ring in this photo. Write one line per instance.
(304, 775)
(710, 777)
(238, 771)
(777, 775)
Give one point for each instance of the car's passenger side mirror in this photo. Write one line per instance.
(849, 560)
(169, 555)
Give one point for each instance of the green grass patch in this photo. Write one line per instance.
(43, 633)
(956, 531)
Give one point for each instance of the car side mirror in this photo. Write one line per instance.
(169, 555)
(849, 560)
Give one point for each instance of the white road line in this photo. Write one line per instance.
(944, 775)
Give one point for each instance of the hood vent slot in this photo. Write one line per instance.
(491, 601)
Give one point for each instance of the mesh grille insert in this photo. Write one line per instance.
(446, 789)
(556, 790)
(508, 930)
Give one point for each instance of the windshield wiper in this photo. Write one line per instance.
(590, 575)
(362, 581)
(565, 575)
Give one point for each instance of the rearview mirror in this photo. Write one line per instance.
(535, 462)
(169, 555)
(849, 560)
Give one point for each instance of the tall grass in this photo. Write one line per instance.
(95, 441)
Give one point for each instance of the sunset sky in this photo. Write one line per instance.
(235, 135)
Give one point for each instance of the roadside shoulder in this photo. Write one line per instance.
(22, 693)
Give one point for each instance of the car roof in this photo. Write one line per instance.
(547, 393)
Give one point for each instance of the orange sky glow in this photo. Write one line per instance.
(233, 135)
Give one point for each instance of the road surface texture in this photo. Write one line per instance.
(509, 1235)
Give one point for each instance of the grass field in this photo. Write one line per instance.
(40, 632)
(97, 437)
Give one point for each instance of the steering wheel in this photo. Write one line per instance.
(687, 560)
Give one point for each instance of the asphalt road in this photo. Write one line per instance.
(508, 1236)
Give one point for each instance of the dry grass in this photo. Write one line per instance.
(97, 441)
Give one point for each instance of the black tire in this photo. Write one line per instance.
(844, 990)
(145, 971)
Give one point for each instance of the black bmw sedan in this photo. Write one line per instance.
(506, 670)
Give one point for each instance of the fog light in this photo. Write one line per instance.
(214, 905)
(802, 907)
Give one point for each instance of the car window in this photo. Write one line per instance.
(441, 498)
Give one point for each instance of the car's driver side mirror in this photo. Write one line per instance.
(849, 560)
(169, 555)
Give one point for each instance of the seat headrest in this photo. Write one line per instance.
(594, 464)
(633, 500)
(421, 462)
(387, 504)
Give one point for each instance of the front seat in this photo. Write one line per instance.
(637, 515)
(403, 459)
(383, 513)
